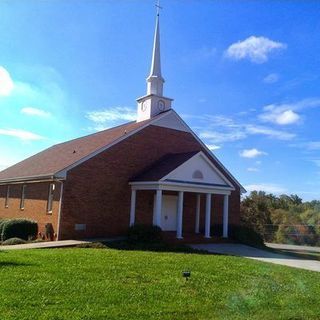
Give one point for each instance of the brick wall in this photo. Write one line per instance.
(35, 204)
(96, 193)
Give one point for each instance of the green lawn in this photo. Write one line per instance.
(117, 284)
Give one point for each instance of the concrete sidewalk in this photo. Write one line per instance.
(43, 245)
(291, 247)
(258, 254)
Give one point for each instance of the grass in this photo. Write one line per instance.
(107, 283)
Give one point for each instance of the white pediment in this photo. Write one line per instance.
(171, 121)
(198, 170)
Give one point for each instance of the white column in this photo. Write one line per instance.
(197, 227)
(208, 216)
(225, 216)
(180, 215)
(133, 207)
(157, 216)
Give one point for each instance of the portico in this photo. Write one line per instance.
(192, 173)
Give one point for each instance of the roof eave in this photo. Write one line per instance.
(38, 178)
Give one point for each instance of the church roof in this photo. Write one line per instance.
(163, 166)
(60, 156)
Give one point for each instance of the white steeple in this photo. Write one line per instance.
(154, 102)
(155, 80)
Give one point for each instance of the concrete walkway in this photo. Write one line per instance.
(43, 245)
(295, 248)
(258, 254)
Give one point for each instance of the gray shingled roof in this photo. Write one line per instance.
(60, 156)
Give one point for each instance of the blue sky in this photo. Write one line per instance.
(243, 74)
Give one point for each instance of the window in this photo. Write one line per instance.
(23, 194)
(50, 198)
(6, 203)
(197, 175)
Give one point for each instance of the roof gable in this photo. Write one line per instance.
(198, 169)
(163, 166)
(192, 167)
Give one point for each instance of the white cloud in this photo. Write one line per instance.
(111, 116)
(252, 153)
(20, 134)
(287, 117)
(267, 187)
(252, 169)
(213, 147)
(219, 137)
(271, 78)
(280, 117)
(271, 133)
(35, 112)
(286, 113)
(256, 49)
(219, 129)
(6, 83)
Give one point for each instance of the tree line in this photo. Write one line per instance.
(282, 219)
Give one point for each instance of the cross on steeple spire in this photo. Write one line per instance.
(158, 7)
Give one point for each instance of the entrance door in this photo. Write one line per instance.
(169, 213)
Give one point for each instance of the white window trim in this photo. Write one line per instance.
(6, 203)
(50, 198)
(23, 195)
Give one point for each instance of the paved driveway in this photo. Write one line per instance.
(294, 248)
(258, 254)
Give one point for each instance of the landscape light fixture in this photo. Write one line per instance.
(186, 274)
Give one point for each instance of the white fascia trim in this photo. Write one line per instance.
(28, 181)
(22, 179)
(172, 186)
(242, 189)
(209, 163)
(152, 95)
(63, 172)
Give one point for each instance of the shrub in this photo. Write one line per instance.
(246, 235)
(19, 228)
(240, 233)
(2, 223)
(49, 231)
(91, 245)
(13, 241)
(144, 233)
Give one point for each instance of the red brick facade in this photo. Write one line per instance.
(96, 193)
(35, 204)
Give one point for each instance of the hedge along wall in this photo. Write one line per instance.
(18, 228)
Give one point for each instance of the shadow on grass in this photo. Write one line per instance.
(14, 264)
(160, 246)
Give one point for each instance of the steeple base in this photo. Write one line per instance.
(151, 105)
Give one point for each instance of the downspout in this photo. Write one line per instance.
(59, 211)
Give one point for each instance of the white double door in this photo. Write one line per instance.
(169, 213)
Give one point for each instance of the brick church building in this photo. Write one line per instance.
(151, 171)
